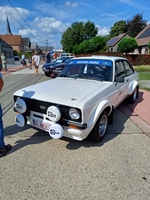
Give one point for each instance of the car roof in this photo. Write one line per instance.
(112, 58)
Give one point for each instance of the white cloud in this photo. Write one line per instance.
(70, 4)
(103, 30)
(49, 25)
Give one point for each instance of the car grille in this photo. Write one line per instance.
(41, 107)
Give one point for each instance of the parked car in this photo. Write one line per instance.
(54, 68)
(79, 103)
(16, 58)
(66, 54)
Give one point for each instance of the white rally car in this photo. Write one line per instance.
(79, 103)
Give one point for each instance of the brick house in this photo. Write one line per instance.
(143, 38)
(15, 41)
(112, 44)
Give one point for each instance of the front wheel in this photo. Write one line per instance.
(133, 97)
(99, 130)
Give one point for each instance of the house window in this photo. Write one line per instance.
(111, 49)
(146, 51)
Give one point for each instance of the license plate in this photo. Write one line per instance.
(46, 70)
(41, 125)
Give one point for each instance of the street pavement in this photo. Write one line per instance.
(38, 167)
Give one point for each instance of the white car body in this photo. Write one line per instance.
(90, 97)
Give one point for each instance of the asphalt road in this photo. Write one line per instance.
(38, 167)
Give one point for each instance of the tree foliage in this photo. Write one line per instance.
(136, 25)
(133, 27)
(89, 30)
(95, 44)
(77, 33)
(118, 28)
(148, 45)
(127, 44)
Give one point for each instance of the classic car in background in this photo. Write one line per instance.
(54, 68)
(16, 58)
(81, 100)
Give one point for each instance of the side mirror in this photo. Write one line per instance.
(119, 80)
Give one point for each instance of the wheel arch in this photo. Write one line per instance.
(132, 87)
(104, 105)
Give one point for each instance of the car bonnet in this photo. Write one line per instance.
(62, 91)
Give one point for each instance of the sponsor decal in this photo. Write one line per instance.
(18, 106)
(50, 114)
(53, 132)
(92, 61)
(17, 120)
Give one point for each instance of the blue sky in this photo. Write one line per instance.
(44, 21)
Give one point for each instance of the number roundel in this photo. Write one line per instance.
(53, 113)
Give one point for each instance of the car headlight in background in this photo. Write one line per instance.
(74, 114)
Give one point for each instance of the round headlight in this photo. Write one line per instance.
(74, 114)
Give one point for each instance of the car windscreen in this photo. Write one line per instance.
(94, 69)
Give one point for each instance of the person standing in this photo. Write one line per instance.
(23, 60)
(3, 60)
(48, 57)
(0, 64)
(30, 62)
(36, 62)
(3, 148)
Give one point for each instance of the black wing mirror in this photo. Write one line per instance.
(119, 80)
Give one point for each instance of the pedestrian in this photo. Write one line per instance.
(30, 62)
(0, 64)
(3, 60)
(3, 148)
(23, 60)
(48, 57)
(36, 62)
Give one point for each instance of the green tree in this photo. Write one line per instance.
(127, 44)
(72, 36)
(149, 46)
(77, 33)
(97, 43)
(118, 28)
(89, 30)
(84, 47)
(136, 25)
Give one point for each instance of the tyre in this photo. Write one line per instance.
(100, 128)
(47, 74)
(132, 98)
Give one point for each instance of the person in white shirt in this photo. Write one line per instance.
(23, 60)
(36, 62)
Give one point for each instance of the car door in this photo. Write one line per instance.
(120, 88)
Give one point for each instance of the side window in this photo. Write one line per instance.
(119, 70)
(128, 67)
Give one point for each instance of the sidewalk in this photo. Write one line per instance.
(139, 111)
(17, 67)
